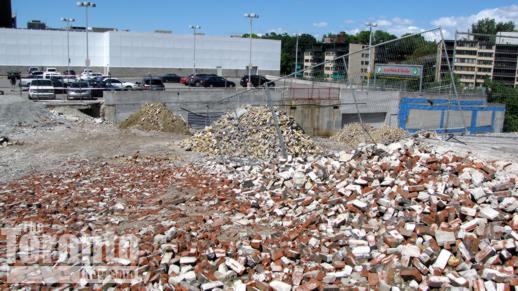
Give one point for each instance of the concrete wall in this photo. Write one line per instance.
(134, 50)
(322, 117)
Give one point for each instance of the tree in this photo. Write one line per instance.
(490, 26)
(499, 92)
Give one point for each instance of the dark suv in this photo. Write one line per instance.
(153, 84)
(195, 80)
(257, 80)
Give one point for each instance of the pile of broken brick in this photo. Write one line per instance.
(400, 216)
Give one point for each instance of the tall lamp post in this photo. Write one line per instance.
(194, 28)
(370, 25)
(86, 5)
(251, 17)
(297, 55)
(68, 21)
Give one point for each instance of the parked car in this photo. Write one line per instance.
(51, 70)
(69, 73)
(32, 69)
(217, 82)
(96, 87)
(153, 84)
(195, 80)
(37, 74)
(41, 88)
(79, 90)
(173, 78)
(256, 80)
(89, 74)
(69, 79)
(26, 81)
(50, 75)
(185, 80)
(118, 84)
(59, 85)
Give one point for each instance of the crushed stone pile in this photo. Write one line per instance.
(156, 117)
(353, 134)
(252, 134)
(16, 112)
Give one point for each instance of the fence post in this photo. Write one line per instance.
(282, 145)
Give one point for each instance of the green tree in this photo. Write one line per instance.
(490, 26)
(498, 92)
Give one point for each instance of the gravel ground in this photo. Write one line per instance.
(44, 149)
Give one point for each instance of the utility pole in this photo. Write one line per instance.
(251, 17)
(297, 55)
(68, 21)
(370, 25)
(194, 28)
(86, 5)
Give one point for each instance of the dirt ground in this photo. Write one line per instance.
(51, 147)
(48, 148)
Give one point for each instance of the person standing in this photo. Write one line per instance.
(12, 78)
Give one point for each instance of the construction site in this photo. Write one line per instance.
(395, 178)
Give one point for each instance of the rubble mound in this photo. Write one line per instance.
(16, 111)
(353, 134)
(253, 134)
(156, 117)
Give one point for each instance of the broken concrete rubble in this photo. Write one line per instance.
(252, 134)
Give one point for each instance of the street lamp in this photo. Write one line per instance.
(297, 55)
(86, 4)
(194, 28)
(370, 25)
(68, 21)
(251, 17)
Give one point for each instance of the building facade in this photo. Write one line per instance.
(136, 53)
(334, 67)
(313, 57)
(477, 58)
(358, 62)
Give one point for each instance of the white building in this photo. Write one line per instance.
(136, 53)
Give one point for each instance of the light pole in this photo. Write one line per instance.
(86, 4)
(68, 21)
(370, 25)
(251, 17)
(194, 28)
(297, 55)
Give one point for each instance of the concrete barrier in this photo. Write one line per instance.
(316, 115)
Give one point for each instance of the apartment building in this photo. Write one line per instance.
(442, 72)
(313, 57)
(473, 62)
(475, 59)
(334, 67)
(358, 62)
(506, 64)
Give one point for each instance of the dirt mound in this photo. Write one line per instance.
(156, 117)
(353, 134)
(16, 111)
(252, 134)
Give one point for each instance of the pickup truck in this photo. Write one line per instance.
(26, 80)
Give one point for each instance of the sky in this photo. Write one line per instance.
(225, 17)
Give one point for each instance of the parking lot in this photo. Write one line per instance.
(5, 86)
